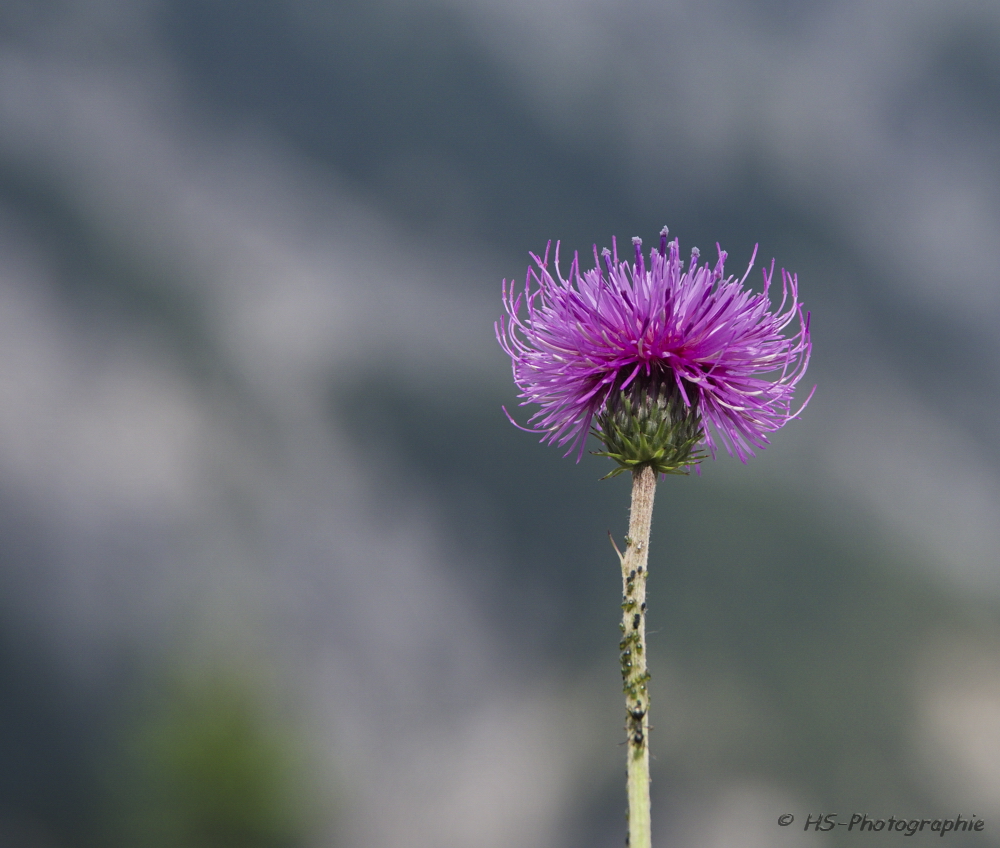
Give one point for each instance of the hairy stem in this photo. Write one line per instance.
(635, 675)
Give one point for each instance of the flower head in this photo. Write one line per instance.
(666, 355)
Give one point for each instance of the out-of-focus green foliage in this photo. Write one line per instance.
(207, 766)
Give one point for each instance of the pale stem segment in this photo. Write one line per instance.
(635, 675)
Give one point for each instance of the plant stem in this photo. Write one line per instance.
(635, 675)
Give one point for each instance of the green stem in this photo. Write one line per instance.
(633, 655)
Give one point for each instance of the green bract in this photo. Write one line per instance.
(650, 425)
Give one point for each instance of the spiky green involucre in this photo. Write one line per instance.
(649, 424)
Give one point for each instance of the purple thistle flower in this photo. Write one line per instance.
(690, 335)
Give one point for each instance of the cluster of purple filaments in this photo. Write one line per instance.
(575, 341)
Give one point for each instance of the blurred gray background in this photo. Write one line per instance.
(277, 571)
